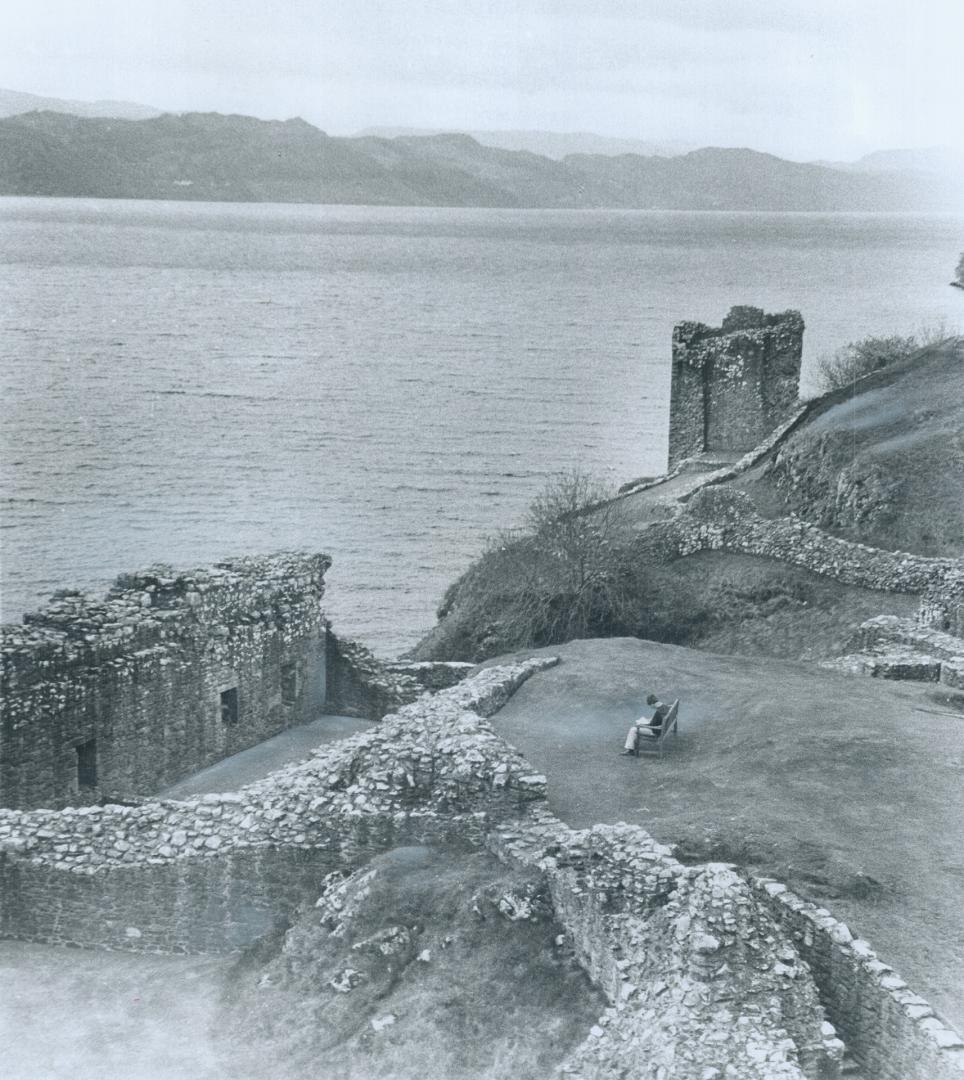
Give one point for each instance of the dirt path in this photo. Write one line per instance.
(849, 789)
(253, 764)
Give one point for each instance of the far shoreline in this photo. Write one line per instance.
(622, 211)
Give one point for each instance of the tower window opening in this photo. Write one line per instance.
(87, 764)
(229, 705)
(290, 682)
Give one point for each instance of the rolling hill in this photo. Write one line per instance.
(209, 156)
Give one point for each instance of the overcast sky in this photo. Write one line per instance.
(802, 78)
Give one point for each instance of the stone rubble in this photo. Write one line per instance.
(895, 648)
(705, 974)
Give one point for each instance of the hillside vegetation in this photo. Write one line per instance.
(237, 158)
(881, 463)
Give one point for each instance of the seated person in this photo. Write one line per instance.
(646, 729)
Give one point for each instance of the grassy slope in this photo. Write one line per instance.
(746, 606)
(885, 467)
(470, 993)
(848, 789)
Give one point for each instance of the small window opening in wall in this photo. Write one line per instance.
(289, 682)
(87, 764)
(229, 705)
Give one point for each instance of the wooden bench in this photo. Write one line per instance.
(653, 744)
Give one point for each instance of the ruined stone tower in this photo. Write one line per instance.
(732, 385)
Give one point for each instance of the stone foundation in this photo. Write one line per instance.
(895, 648)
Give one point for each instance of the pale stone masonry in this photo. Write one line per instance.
(170, 671)
(707, 975)
(733, 384)
(115, 697)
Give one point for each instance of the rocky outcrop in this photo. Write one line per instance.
(416, 956)
(861, 495)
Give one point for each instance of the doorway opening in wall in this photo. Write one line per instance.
(87, 764)
(290, 682)
(229, 705)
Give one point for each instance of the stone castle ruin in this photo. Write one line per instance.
(733, 384)
(702, 968)
(108, 701)
(169, 673)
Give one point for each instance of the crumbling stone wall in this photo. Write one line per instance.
(706, 976)
(891, 1032)
(698, 977)
(188, 905)
(169, 672)
(432, 675)
(138, 877)
(888, 647)
(359, 684)
(942, 607)
(733, 384)
(720, 519)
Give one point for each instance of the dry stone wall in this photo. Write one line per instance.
(720, 519)
(892, 1033)
(706, 975)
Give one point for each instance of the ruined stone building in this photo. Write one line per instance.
(170, 672)
(733, 384)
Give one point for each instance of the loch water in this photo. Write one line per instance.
(186, 381)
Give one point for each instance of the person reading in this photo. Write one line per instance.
(646, 729)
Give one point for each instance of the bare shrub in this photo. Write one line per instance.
(859, 358)
(564, 574)
(935, 333)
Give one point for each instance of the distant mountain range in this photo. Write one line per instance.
(209, 156)
(934, 160)
(15, 102)
(550, 144)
